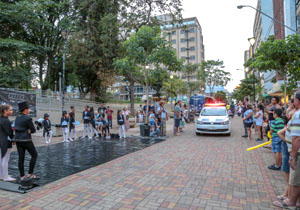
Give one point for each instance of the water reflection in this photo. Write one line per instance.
(63, 159)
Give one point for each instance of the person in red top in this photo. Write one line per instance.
(109, 113)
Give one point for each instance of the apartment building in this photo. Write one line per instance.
(298, 16)
(186, 37)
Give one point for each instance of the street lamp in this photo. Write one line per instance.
(241, 6)
(64, 36)
(252, 42)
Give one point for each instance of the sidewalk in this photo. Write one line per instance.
(184, 172)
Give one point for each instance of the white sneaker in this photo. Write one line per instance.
(71, 139)
(9, 179)
(90, 138)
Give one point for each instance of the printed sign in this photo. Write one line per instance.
(13, 97)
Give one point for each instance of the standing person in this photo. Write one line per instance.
(259, 121)
(93, 129)
(47, 129)
(248, 120)
(294, 161)
(232, 109)
(6, 136)
(141, 117)
(239, 110)
(126, 114)
(72, 130)
(109, 113)
(163, 115)
(86, 122)
(177, 117)
(151, 120)
(64, 122)
(276, 126)
(244, 109)
(121, 123)
(290, 110)
(23, 129)
(285, 136)
(102, 110)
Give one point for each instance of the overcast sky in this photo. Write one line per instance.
(226, 30)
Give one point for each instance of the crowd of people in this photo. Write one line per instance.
(281, 125)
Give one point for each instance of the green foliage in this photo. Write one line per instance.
(213, 73)
(244, 89)
(175, 86)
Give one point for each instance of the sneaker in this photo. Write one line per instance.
(245, 136)
(9, 179)
(273, 167)
(258, 139)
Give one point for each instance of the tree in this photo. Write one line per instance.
(280, 55)
(149, 51)
(244, 89)
(189, 70)
(94, 46)
(212, 71)
(174, 86)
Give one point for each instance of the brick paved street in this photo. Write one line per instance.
(185, 172)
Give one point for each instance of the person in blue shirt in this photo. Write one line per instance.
(248, 120)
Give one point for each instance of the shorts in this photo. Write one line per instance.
(276, 144)
(177, 123)
(258, 123)
(248, 125)
(285, 167)
(295, 174)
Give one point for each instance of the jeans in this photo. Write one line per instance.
(22, 147)
(110, 123)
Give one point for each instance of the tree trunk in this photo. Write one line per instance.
(93, 94)
(41, 65)
(131, 94)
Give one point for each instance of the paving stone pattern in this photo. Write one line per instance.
(184, 172)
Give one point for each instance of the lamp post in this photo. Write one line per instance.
(242, 6)
(64, 36)
(252, 42)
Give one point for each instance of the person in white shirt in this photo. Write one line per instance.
(163, 115)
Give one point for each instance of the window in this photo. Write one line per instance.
(182, 31)
(192, 48)
(183, 40)
(192, 57)
(183, 77)
(183, 49)
(173, 32)
(192, 30)
(174, 41)
(192, 39)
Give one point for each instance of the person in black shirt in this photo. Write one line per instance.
(64, 122)
(47, 129)
(6, 135)
(121, 123)
(23, 129)
(86, 122)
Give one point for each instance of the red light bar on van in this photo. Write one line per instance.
(215, 104)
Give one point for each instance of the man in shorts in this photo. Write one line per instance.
(294, 128)
(177, 117)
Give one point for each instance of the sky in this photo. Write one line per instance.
(225, 30)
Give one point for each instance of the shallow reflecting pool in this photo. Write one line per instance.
(64, 159)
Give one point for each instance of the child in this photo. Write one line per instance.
(109, 113)
(105, 129)
(72, 126)
(156, 131)
(121, 123)
(276, 126)
(93, 124)
(47, 129)
(141, 117)
(86, 122)
(99, 120)
(259, 121)
(151, 121)
(64, 125)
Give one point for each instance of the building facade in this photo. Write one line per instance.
(186, 38)
(284, 12)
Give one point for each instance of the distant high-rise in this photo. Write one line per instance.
(186, 37)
